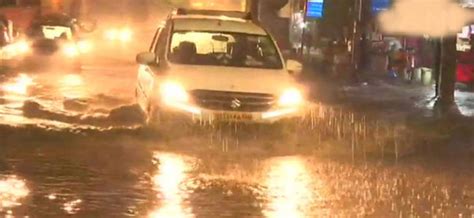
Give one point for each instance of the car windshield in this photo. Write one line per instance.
(224, 49)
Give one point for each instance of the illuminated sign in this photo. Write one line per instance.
(380, 5)
(315, 9)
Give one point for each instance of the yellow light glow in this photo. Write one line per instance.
(172, 92)
(289, 188)
(279, 113)
(19, 85)
(111, 34)
(72, 86)
(72, 80)
(17, 48)
(84, 46)
(72, 207)
(186, 107)
(125, 35)
(71, 50)
(122, 35)
(291, 97)
(169, 180)
(22, 47)
(12, 190)
(197, 4)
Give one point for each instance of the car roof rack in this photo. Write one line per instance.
(233, 14)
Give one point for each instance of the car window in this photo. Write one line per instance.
(224, 49)
(162, 40)
(54, 32)
(51, 32)
(155, 39)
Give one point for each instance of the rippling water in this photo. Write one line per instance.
(147, 181)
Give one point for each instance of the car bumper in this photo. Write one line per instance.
(202, 115)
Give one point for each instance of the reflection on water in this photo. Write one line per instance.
(465, 102)
(289, 188)
(15, 91)
(169, 182)
(72, 86)
(72, 207)
(18, 86)
(12, 190)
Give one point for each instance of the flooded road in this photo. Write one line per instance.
(133, 179)
(73, 144)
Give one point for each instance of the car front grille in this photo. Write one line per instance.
(233, 101)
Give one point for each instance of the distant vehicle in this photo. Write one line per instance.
(213, 66)
(121, 34)
(53, 42)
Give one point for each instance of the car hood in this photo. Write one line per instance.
(232, 79)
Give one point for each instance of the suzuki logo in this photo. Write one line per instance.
(235, 103)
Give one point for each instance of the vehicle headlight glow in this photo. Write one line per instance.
(17, 48)
(291, 97)
(22, 47)
(111, 34)
(71, 50)
(84, 46)
(126, 35)
(123, 34)
(172, 92)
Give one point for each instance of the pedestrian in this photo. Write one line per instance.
(400, 62)
(391, 61)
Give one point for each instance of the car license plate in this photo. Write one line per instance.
(233, 117)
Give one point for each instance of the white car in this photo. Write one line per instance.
(213, 66)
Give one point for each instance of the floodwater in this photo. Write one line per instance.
(133, 179)
(72, 144)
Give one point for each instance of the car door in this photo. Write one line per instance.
(145, 78)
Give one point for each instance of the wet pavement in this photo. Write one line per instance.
(128, 171)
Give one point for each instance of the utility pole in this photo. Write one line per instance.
(360, 21)
(304, 31)
(437, 65)
(448, 72)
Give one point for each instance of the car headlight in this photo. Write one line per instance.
(22, 47)
(172, 92)
(111, 34)
(71, 50)
(125, 35)
(17, 48)
(84, 46)
(291, 97)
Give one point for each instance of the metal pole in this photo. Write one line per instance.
(303, 33)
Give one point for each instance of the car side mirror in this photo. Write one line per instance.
(147, 58)
(294, 67)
